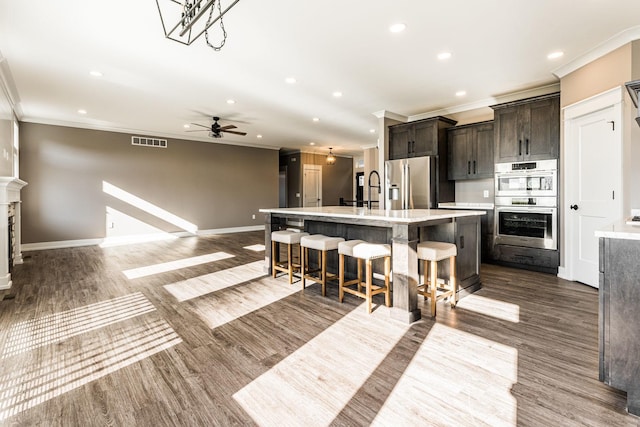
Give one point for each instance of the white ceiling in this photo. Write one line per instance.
(154, 86)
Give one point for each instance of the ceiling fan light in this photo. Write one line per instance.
(331, 159)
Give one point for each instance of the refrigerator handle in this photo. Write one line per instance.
(406, 182)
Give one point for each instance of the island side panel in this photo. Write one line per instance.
(271, 223)
(405, 273)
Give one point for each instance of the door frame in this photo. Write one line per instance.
(610, 98)
(305, 168)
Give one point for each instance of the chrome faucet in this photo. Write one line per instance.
(373, 186)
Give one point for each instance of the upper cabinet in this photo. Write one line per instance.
(471, 151)
(419, 138)
(528, 129)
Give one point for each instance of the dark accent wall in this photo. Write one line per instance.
(211, 185)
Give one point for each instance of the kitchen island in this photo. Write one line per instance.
(619, 305)
(403, 229)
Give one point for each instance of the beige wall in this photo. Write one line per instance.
(337, 179)
(210, 185)
(6, 134)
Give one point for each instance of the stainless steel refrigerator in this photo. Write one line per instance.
(411, 183)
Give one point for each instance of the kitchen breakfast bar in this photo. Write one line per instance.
(403, 229)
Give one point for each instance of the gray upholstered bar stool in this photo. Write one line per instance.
(322, 244)
(289, 238)
(431, 253)
(367, 252)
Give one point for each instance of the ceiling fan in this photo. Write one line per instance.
(215, 130)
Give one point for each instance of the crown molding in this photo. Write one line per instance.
(384, 114)
(485, 103)
(620, 39)
(8, 85)
(142, 132)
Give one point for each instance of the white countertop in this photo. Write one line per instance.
(620, 230)
(391, 216)
(465, 205)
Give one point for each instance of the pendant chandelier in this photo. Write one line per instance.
(331, 159)
(183, 21)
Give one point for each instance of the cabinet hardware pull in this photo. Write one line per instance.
(469, 168)
(474, 167)
(519, 147)
(413, 147)
(408, 147)
(574, 207)
(461, 242)
(527, 146)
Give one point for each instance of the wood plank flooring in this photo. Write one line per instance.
(189, 332)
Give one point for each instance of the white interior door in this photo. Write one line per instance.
(593, 176)
(312, 186)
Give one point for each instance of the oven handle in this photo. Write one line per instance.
(531, 209)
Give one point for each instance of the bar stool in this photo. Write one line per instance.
(431, 253)
(322, 244)
(289, 238)
(367, 252)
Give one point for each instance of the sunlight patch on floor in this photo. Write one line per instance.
(455, 374)
(255, 248)
(31, 334)
(32, 384)
(312, 385)
(220, 308)
(491, 307)
(208, 283)
(164, 267)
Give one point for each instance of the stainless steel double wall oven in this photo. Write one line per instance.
(526, 204)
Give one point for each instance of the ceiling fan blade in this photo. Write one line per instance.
(228, 127)
(235, 132)
(202, 126)
(197, 130)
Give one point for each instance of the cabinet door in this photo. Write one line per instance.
(467, 240)
(508, 144)
(425, 139)
(459, 161)
(542, 130)
(399, 141)
(482, 158)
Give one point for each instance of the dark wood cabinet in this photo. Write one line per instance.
(419, 138)
(425, 138)
(471, 151)
(528, 129)
(619, 305)
(486, 236)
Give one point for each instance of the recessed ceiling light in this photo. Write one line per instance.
(312, 143)
(461, 93)
(258, 136)
(290, 80)
(555, 55)
(95, 73)
(337, 94)
(186, 126)
(397, 28)
(444, 55)
(315, 119)
(372, 130)
(82, 111)
(230, 101)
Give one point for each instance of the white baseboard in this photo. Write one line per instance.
(125, 240)
(564, 274)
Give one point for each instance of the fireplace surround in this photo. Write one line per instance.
(9, 233)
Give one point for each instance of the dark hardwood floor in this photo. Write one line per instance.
(191, 332)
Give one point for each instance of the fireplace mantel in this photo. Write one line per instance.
(9, 194)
